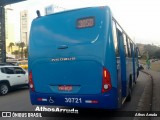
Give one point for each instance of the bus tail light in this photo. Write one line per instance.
(31, 84)
(106, 81)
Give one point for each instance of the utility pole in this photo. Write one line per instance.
(2, 35)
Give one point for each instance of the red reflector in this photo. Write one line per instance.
(42, 99)
(39, 99)
(94, 101)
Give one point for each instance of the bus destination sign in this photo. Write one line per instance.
(85, 22)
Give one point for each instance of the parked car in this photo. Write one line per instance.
(7, 63)
(156, 59)
(23, 64)
(12, 76)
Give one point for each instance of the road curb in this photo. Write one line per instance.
(145, 102)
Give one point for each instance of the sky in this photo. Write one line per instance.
(139, 18)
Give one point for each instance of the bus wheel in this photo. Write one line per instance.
(129, 95)
(130, 89)
(120, 99)
(135, 81)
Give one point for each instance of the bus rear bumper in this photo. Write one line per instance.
(105, 101)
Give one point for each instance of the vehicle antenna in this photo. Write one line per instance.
(38, 13)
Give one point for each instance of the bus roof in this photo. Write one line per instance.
(61, 12)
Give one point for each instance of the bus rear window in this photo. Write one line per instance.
(85, 22)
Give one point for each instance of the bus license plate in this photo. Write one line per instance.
(73, 100)
(65, 87)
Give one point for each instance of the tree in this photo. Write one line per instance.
(11, 44)
(22, 45)
(16, 53)
(157, 54)
(18, 44)
(26, 52)
(152, 50)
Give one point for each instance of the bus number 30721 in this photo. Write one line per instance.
(73, 100)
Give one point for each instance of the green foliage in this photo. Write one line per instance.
(22, 50)
(22, 45)
(152, 50)
(26, 52)
(157, 53)
(11, 44)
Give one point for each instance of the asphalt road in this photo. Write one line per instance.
(19, 100)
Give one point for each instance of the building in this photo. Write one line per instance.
(24, 21)
(53, 9)
(49, 10)
(9, 29)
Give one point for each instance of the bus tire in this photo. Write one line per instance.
(129, 95)
(135, 81)
(120, 99)
(130, 90)
(131, 81)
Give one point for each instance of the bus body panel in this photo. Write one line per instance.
(123, 62)
(68, 73)
(62, 54)
(85, 53)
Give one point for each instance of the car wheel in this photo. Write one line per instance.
(4, 89)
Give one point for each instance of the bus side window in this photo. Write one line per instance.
(115, 39)
(136, 52)
(129, 48)
(125, 44)
(132, 46)
(120, 38)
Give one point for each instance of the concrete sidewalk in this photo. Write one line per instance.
(156, 92)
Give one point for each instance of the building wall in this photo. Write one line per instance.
(24, 26)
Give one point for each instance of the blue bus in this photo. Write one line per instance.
(81, 58)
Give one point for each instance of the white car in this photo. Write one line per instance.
(12, 76)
